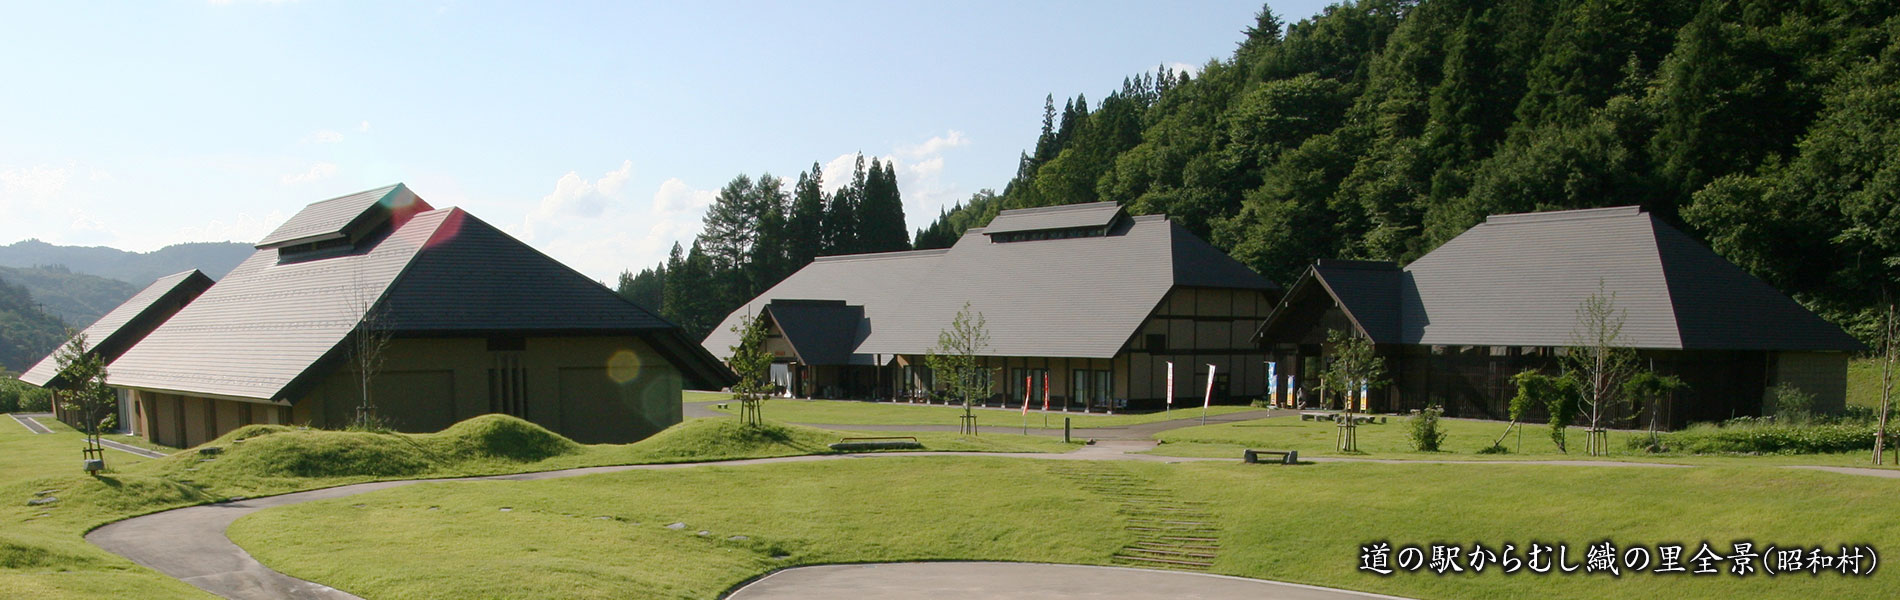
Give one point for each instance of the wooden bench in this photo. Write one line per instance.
(899, 442)
(1313, 416)
(1284, 457)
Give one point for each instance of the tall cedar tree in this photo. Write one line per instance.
(804, 228)
(881, 215)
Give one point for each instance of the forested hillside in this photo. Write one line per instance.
(1382, 128)
(137, 268)
(76, 298)
(27, 333)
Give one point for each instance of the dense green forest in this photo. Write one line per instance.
(1379, 129)
(756, 234)
(27, 333)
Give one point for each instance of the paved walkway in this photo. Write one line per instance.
(986, 580)
(1864, 471)
(130, 449)
(26, 420)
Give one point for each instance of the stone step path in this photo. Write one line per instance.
(1170, 533)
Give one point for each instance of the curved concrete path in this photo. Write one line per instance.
(987, 580)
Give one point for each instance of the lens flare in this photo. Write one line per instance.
(623, 366)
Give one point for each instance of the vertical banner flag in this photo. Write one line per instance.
(1209, 398)
(1170, 391)
(1365, 399)
(1273, 384)
(1026, 393)
(1045, 393)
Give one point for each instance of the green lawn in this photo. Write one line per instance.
(606, 536)
(1863, 383)
(43, 553)
(699, 396)
(853, 412)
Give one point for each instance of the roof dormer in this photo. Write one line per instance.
(337, 225)
(1094, 219)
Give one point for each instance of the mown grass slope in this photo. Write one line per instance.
(43, 553)
(607, 536)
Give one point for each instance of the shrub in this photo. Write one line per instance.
(1791, 404)
(1495, 449)
(1425, 431)
(20, 396)
(1757, 437)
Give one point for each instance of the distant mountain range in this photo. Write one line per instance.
(45, 289)
(137, 268)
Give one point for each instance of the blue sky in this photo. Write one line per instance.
(595, 131)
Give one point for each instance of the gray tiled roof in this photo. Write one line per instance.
(822, 332)
(334, 218)
(1367, 291)
(1067, 216)
(1517, 280)
(1074, 297)
(130, 322)
(271, 325)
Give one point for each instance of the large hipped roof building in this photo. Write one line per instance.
(1504, 296)
(479, 322)
(1065, 289)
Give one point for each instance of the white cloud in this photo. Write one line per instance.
(316, 172)
(1181, 67)
(601, 228)
(323, 137)
(242, 227)
(34, 183)
(675, 197)
(933, 146)
(364, 127)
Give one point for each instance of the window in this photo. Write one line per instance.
(1078, 387)
(1104, 387)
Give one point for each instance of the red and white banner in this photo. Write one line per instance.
(1045, 393)
(1209, 398)
(1027, 392)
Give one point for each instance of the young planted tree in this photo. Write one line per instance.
(1558, 395)
(368, 343)
(1599, 361)
(85, 397)
(1533, 389)
(1354, 367)
(1890, 340)
(753, 364)
(1651, 389)
(954, 362)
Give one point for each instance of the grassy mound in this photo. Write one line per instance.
(503, 437)
(719, 439)
(276, 451)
